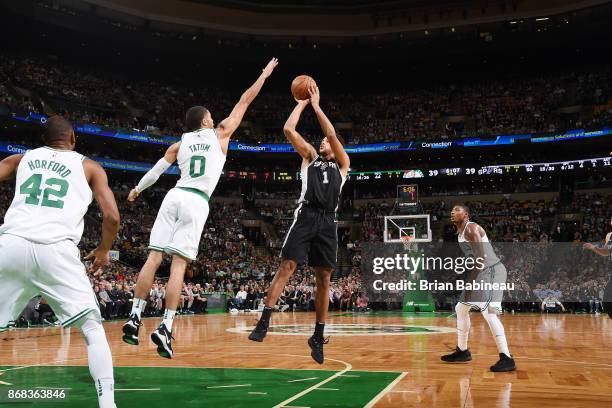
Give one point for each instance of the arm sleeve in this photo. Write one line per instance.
(153, 175)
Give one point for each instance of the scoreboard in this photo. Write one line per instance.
(409, 174)
(407, 195)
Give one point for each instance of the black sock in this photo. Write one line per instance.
(267, 312)
(319, 327)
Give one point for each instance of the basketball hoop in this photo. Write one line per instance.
(407, 242)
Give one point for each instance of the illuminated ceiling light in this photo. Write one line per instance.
(426, 32)
(542, 19)
(453, 29)
(513, 22)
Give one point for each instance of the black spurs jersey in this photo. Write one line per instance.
(321, 184)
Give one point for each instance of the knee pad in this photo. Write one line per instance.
(93, 331)
(462, 308)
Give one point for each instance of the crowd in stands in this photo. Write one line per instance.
(227, 262)
(230, 262)
(540, 254)
(234, 260)
(506, 106)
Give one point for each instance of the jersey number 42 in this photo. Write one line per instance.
(51, 195)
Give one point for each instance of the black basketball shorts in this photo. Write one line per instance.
(607, 298)
(313, 236)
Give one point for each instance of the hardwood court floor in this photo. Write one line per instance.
(373, 360)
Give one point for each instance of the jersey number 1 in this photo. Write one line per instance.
(197, 166)
(325, 179)
(31, 188)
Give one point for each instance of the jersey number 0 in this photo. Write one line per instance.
(197, 166)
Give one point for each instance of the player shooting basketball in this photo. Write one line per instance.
(474, 243)
(604, 249)
(313, 234)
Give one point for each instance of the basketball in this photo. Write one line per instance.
(299, 87)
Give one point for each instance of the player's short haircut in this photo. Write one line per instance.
(463, 207)
(194, 117)
(57, 129)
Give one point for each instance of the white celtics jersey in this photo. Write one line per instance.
(200, 160)
(51, 197)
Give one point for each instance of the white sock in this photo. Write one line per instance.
(138, 306)
(100, 362)
(463, 325)
(497, 329)
(169, 318)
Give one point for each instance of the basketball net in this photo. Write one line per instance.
(408, 243)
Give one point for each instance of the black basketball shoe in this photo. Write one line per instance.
(316, 345)
(458, 356)
(130, 330)
(260, 331)
(505, 363)
(163, 339)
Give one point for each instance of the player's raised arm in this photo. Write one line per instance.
(97, 179)
(328, 130)
(153, 175)
(8, 167)
(229, 125)
(300, 145)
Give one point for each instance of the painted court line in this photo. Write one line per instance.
(327, 389)
(257, 393)
(304, 379)
(200, 368)
(229, 386)
(137, 389)
(349, 376)
(40, 364)
(381, 394)
(347, 367)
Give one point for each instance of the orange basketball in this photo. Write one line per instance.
(299, 87)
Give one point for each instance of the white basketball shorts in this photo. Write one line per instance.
(55, 271)
(179, 224)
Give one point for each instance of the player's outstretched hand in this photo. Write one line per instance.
(133, 195)
(267, 71)
(315, 96)
(101, 258)
(588, 246)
